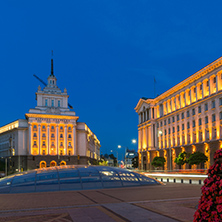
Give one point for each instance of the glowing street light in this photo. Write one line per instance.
(134, 141)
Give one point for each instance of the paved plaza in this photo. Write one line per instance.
(171, 202)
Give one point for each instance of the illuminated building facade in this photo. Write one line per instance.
(50, 135)
(187, 117)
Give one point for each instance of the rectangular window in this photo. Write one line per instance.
(188, 125)
(200, 122)
(164, 122)
(194, 124)
(59, 103)
(213, 104)
(169, 121)
(199, 109)
(193, 112)
(206, 119)
(214, 79)
(178, 128)
(173, 129)
(161, 123)
(206, 106)
(46, 102)
(165, 132)
(173, 119)
(52, 103)
(188, 113)
(157, 125)
(213, 118)
(178, 117)
(169, 130)
(220, 101)
(182, 115)
(220, 115)
(182, 126)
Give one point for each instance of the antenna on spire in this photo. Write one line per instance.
(52, 65)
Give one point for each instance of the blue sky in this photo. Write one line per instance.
(106, 53)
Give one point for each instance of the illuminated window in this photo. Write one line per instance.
(188, 125)
(193, 112)
(206, 119)
(199, 109)
(52, 103)
(173, 119)
(46, 102)
(169, 121)
(214, 79)
(69, 144)
(213, 118)
(200, 122)
(182, 116)
(59, 103)
(188, 113)
(213, 104)
(206, 106)
(194, 124)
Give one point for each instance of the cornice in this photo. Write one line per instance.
(207, 69)
(47, 116)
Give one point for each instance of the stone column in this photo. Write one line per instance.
(202, 89)
(209, 86)
(216, 83)
(75, 151)
(39, 132)
(65, 140)
(48, 135)
(57, 139)
(30, 139)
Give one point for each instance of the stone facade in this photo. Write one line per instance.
(187, 117)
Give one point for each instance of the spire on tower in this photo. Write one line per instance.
(52, 65)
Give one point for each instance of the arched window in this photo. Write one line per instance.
(61, 127)
(43, 127)
(46, 102)
(61, 144)
(43, 135)
(69, 128)
(53, 136)
(52, 127)
(35, 126)
(59, 103)
(69, 136)
(62, 163)
(42, 164)
(43, 143)
(35, 143)
(34, 135)
(53, 163)
(69, 144)
(61, 136)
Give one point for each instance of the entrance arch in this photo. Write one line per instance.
(53, 163)
(63, 163)
(42, 164)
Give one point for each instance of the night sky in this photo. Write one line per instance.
(106, 53)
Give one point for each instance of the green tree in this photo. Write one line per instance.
(181, 159)
(158, 161)
(197, 158)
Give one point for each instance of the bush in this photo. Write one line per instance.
(158, 161)
(197, 158)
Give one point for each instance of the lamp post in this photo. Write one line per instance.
(116, 157)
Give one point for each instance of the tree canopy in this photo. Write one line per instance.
(158, 161)
(197, 158)
(181, 159)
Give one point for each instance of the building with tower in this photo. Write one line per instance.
(187, 117)
(49, 135)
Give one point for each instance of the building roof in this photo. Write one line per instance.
(72, 177)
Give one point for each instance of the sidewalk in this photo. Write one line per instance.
(170, 202)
